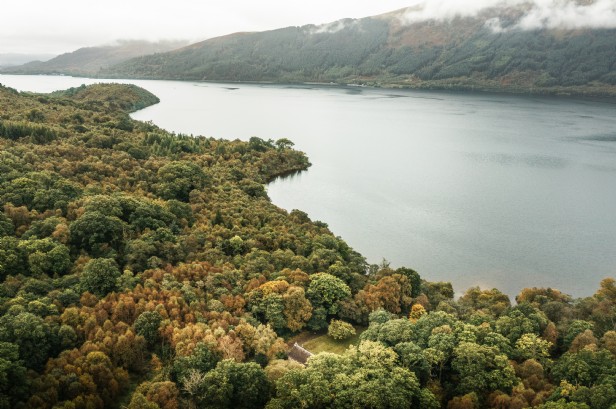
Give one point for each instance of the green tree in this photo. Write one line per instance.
(586, 367)
(574, 329)
(97, 233)
(365, 376)
(235, 385)
(138, 401)
(147, 324)
(13, 382)
(177, 179)
(521, 320)
(6, 226)
(530, 346)
(414, 279)
(284, 143)
(327, 291)
(411, 356)
(12, 257)
(202, 360)
(340, 330)
(46, 256)
(390, 332)
(437, 292)
(31, 334)
(99, 276)
(482, 369)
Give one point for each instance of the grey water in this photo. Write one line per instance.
(477, 189)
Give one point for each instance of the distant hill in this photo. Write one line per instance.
(488, 51)
(12, 59)
(90, 60)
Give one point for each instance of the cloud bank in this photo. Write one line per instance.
(536, 14)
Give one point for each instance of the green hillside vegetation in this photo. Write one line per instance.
(463, 53)
(145, 269)
(89, 61)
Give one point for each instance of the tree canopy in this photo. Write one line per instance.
(145, 269)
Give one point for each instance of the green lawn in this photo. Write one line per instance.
(324, 343)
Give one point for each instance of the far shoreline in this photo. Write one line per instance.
(584, 93)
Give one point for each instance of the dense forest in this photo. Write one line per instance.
(461, 53)
(146, 269)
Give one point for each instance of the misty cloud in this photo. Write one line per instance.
(334, 27)
(536, 14)
(569, 14)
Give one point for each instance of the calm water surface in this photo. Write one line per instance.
(490, 190)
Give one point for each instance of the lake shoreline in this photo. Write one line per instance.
(501, 191)
(581, 92)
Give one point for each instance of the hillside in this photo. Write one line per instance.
(487, 51)
(144, 269)
(90, 60)
(13, 59)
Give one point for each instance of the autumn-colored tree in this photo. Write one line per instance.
(491, 301)
(281, 305)
(437, 292)
(392, 293)
(417, 310)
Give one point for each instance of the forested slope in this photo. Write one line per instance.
(484, 52)
(144, 269)
(88, 61)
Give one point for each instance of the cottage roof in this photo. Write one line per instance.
(299, 354)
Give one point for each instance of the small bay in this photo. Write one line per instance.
(478, 189)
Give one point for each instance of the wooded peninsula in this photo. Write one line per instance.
(147, 269)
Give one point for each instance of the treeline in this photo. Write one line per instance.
(462, 53)
(144, 269)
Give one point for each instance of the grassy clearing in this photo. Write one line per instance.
(324, 343)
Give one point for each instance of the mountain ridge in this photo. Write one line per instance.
(488, 51)
(484, 52)
(90, 60)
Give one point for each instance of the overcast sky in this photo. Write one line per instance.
(58, 26)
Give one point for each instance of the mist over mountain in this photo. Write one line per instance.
(534, 14)
(89, 61)
(539, 46)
